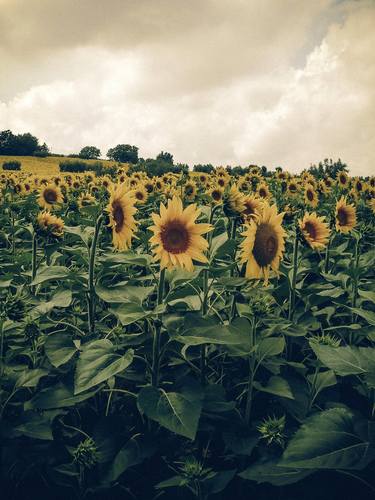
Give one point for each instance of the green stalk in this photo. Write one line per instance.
(34, 248)
(292, 291)
(91, 283)
(355, 283)
(326, 260)
(249, 397)
(157, 334)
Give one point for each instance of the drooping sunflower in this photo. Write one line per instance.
(49, 196)
(346, 217)
(314, 230)
(264, 243)
(311, 196)
(234, 201)
(343, 179)
(177, 239)
(50, 224)
(121, 211)
(140, 194)
(263, 191)
(253, 206)
(85, 200)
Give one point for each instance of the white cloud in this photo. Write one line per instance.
(242, 84)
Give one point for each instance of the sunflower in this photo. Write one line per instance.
(346, 217)
(215, 194)
(315, 230)
(159, 184)
(372, 205)
(263, 191)
(49, 196)
(149, 186)
(177, 239)
(121, 211)
(292, 188)
(50, 224)
(264, 243)
(244, 185)
(281, 176)
(253, 206)
(311, 197)
(140, 194)
(234, 201)
(359, 185)
(343, 179)
(105, 181)
(85, 200)
(190, 190)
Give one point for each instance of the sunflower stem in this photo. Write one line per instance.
(355, 281)
(34, 248)
(157, 335)
(249, 396)
(326, 260)
(91, 282)
(292, 292)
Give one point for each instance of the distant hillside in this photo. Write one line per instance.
(45, 166)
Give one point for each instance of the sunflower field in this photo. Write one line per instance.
(192, 335)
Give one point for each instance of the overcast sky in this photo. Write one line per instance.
(270, 82)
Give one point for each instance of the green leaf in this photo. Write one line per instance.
(61, 298)
(132, 453)
(348, 360)
(59, 348)
(30, 377)
(328, 440)
(121, 293)
(277, 386)
(268, 347)
(129, 313)
(35, 426)
(97, 362)
(369, 316)
(177, 411)
(270, 472)
(49, 273)
(367, 295)
(56, 396)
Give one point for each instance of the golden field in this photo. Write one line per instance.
(43, 166)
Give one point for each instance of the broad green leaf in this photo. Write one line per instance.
(268, 347)
(57, 396)
(129, 313)
(328, 440)
(59, 348)
(121, 293)
(348, 360)
(367, 295)
(270, 472)
(61, 298)
(49, 273)
(369, 316)
(31, 377)
(98, 361)
(277, 386)
(177, 411)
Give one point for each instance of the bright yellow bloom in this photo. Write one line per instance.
(311, 197)
(121, 211)
(346, 217)
(315, 230)
(264, 243)
(51, 224)
(177, 239)
(49, 196)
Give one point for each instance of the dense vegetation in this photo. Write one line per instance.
(174, 334)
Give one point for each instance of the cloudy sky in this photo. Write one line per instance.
(270, 82)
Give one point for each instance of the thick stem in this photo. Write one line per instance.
(91, 282)
(355, 283)
(292, 291)
(249, 398)
(34, 248)
(157, 334)
(203, 361)
(326, 260)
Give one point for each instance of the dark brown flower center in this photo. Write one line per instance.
(216, 194)
(292, 188)
(310, 195)
(250, 208)
(342, 216)
(311, 229)
(262, 193)
(139, 195)
(175, 237)
(221, 182)
(50, 195)
(118, 215)
(342, 179)
(189, 190)
(265, 245)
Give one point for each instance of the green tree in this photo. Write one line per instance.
(123, 153)
(90, 153)
(165, 157)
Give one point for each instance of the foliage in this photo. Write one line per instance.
(119, 379)
(12, 165)
(123, 153)
(90, 153)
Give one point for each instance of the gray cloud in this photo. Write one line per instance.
(226, 81)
